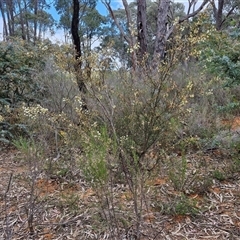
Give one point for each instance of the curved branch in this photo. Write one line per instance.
(107, 4)
(190, 15)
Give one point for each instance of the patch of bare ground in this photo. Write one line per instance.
(50, 208)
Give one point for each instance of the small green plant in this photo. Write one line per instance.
(219, 175)
(182, 205)
(10, 126)
(234, 166)
(97, 146)
(185, 206)
(178, 173)
(24, 145)
(32, 155)
(69, 201)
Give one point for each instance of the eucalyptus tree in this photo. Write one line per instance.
(154, 23)
(28, 19)
(81, 19)
(117, 35)
(90, 20)
(223, 11)
(140, 33)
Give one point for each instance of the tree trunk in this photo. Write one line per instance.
(21, 20)
(35, 21)
(217, 12)
(220, 14)
(142, 28)
(77, 44)
(8, 19)
(162, 29)
(5, 28)
(26, 21)
(10, 16)
(130, 39)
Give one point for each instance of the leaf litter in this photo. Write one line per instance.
(56, 215)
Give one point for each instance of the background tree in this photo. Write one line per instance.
(118, 40)
(142, 27)
(223, 10)
(26, 19)
(159, 16)
(90, 21)
(77, 45)
(64, 9)
(85, 24)
(5, 28)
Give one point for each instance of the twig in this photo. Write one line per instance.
(6, 207)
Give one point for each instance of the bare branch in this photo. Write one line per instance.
(229, 13)
(107, 4)
(127, 10)
(195, 12)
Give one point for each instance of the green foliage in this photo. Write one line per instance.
(20, 67)
(142, 112)
(230, 107)
(9, 132)
(235, 159)
(178, 173)
(182, 205)
(18, 64)
(23, 145)
(219, 175)
(70, 201)
(32, 153)
(97, 144)
(185, 206)
(28, 20)
(221, 55)
(91, 22)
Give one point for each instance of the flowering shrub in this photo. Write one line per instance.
(19, 63)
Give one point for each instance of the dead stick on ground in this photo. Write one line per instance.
(6, 207)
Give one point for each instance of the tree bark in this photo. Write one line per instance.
(11, 14)
(130, 39)
(162, 28)
(219, 15)
(5, 28)
(142, 28)
(77, 44)
(10, 20)
(21, 20)
(26, 21)
(35, 21)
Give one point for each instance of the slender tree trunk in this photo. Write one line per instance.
(40, 30)
(221, 15)
(74, 28)
(130, 39)
(10, 16)
(26, 21)
(217, 13)
(35, 21)
(77, 44)
(9, 19)
(21, 20)
(5, 28)
(142, 28)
